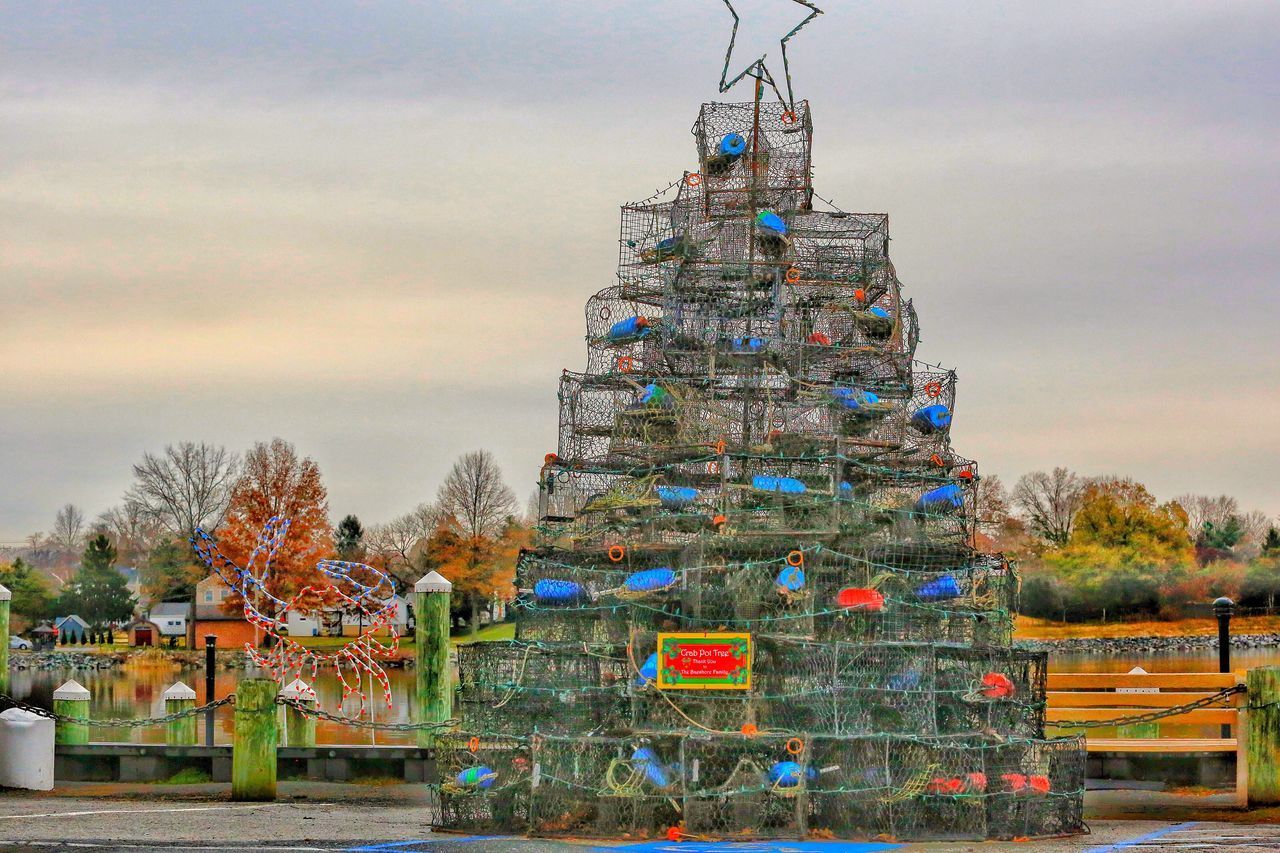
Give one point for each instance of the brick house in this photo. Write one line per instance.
(211, 617)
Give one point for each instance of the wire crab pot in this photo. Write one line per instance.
(753, 449)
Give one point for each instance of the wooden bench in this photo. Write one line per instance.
(1082, 697)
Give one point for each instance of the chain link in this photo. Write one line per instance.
(1152, 716)
(10, 702)
(311, 711)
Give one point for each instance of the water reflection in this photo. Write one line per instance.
(126, 693)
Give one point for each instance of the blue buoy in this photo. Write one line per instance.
(942, 499)
(943, 587)
(647, 761)
(853, 398)
(845, 491)
(879, 312)
(676, 497)
(649, 671)
(650, 580)
(771, 223)
(747, 345)
(785, 485)
(931, 419)
(733, 144)
(632, 327)
(555, 591)
(791, 578)
(787, 774)
(476, 777)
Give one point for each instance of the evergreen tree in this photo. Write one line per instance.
(349, 539)
(98, 593)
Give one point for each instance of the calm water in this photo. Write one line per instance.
(126, 693)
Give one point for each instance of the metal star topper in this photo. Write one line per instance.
(757, 68)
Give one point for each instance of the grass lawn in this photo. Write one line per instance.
(1028, 628)
(487, 634)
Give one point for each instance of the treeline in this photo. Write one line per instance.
(1094, 548)
(470, 532)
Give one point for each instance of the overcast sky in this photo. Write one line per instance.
(370, 227)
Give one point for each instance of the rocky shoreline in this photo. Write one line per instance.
(83, 661)
(1141, 645)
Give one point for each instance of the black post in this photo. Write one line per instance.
(210, 665)
(1223, 608)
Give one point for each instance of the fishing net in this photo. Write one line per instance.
(753, 457)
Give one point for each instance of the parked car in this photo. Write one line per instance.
(19, 643)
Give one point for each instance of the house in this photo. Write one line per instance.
(144, 632)
(212, 618)
(334, 622)
(75, 629)
(170, 618)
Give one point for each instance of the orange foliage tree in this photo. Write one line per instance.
(275, 482)
(480, 568)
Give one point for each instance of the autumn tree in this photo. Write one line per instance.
(481, 504)
(190, 485)
(32, 600)
(276, 483)
(1049, 502)
(1126, 553)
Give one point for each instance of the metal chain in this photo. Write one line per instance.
(311, 711)
(10, 702)
(1152, 716)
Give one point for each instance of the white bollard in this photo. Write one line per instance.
(26, 750)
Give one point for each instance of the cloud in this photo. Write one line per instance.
(371, 228)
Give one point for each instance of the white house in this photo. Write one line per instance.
(332, 622)
(171, 617)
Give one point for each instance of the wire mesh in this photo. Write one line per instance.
(753, 448)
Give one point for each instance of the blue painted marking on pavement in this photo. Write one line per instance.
(412, 846)
(754, 847)
(1120, 845)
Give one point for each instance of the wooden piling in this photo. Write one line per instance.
(183, 732)
(1263, 733)
(434, 687)
(253, 752)
(299, 728)
(5, 599)
(71, 700)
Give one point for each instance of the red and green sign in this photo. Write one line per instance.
(704, 661)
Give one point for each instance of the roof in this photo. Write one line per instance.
(58, 623)
(172, 608)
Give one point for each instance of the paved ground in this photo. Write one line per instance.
(396, 819)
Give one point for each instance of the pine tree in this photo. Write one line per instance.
(98, 593)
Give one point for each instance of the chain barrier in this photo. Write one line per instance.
(310, 711)
(1153, 716)
(7, 702)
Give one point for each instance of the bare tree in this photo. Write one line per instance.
(1049, 502)
(1204, 509)
(189, 486)
(400, 541)
(992, 502)
(1255, 524)
(68, 529)
(132, 530)
(474, 493)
